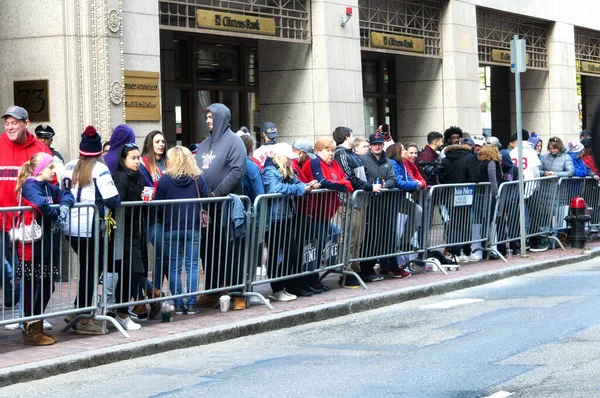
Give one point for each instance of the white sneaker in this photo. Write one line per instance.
(280, 296)
(290, 295)
(127, 323)
(462, 259)
(47, 325)
(90, 328)
(12, 326)
(473, 258)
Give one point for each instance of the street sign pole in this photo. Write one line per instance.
(518, 64)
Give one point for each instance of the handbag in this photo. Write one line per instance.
(23, 232)
(205, 215)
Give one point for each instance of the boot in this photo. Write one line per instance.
(32, 335)
(141, 311)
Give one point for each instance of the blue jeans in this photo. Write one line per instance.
(155, 237)
(184, 248)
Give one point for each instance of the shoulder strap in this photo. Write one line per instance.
(197, 187)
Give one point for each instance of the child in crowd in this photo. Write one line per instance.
(38, 260)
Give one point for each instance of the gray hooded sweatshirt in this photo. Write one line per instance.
(222, 156)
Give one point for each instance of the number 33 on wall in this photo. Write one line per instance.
(33, 96)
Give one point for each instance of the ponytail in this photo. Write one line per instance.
(25, 172)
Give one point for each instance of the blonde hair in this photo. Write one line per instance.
(324, 143)
(27, 170)
(490, 153)
(181, 163)
(82, 173)
(283, 165)
(358, 140)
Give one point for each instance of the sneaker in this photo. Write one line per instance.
(462, 259)
(320, 286)
(90, 328)
(473, 258)
(192, 310)
(373, 278)
(538, 247)
(282, 296)
(180, 310)
(128, 324)
(12, 326)
(351, 282)
(47, 325)
(391, 273)
(405, 273)
(290, 295)
(299, 292)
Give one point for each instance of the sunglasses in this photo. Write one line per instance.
(132, 145)
(554, 139)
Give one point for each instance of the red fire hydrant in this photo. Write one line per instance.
(576, 220)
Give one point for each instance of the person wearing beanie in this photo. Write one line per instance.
(580, 169)
(537, 143)
(90, 182)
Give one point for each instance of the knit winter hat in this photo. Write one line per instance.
(91, 143)
(576, 148)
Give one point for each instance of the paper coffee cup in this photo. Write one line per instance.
(225, 302)
(148, 194)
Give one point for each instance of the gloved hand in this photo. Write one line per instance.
(63, 217)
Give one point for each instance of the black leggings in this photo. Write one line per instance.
(36, 295)
(84, 248)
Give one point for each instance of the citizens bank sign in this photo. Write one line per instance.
(395, 42)
(235, 22)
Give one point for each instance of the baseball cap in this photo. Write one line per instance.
(270, 130)
(304, 146)
(493, 141)
(44, 131)
(479, 140)
(17, 112)
(468, 141)
(285, 150)
(375, 139)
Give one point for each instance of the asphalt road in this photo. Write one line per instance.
(531, 336)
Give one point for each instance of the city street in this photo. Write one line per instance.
(532, 336)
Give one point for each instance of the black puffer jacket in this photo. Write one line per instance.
(460, 166)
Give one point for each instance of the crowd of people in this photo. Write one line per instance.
(186, 239)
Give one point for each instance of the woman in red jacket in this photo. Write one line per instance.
(322, 206)
(412, 151)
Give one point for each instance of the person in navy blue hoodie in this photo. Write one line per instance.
(183, 227)
(38, 260)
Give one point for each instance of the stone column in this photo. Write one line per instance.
(460, 66)
(308, 90)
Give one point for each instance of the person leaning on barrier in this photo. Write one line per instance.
(557, 161)
(427, 161)
(304, 149)
(18, 146)
(38, 260)
(222, 159)
(410, 159)
(588, 157)
(580, 169)
(378, 168)
(537, 143)
(183, 232)
(460, 167)
(355, 173)
(279, 177)
(91, 183)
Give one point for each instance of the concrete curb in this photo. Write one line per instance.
(52, 367)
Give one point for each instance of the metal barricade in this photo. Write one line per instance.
(387, 228)
(40, 275)
(540, 210)
(457, 215)
(568, 188)
(301, 236)
(200, 245)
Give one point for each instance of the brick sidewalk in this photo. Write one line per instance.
(13, 352)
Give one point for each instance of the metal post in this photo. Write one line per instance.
(520, 158)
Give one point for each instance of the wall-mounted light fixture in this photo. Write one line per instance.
(344, 20)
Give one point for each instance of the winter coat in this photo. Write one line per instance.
(414, 173)
(13, 157)
(180, 216)
(580, 169)
(404, 182)
(353, 168)
(381, 168)
(281, 208)
(41, 195)
(460, 166)
(561, 164)
(222, 156)
(253, 183)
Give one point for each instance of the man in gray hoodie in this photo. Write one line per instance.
(222, 159)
